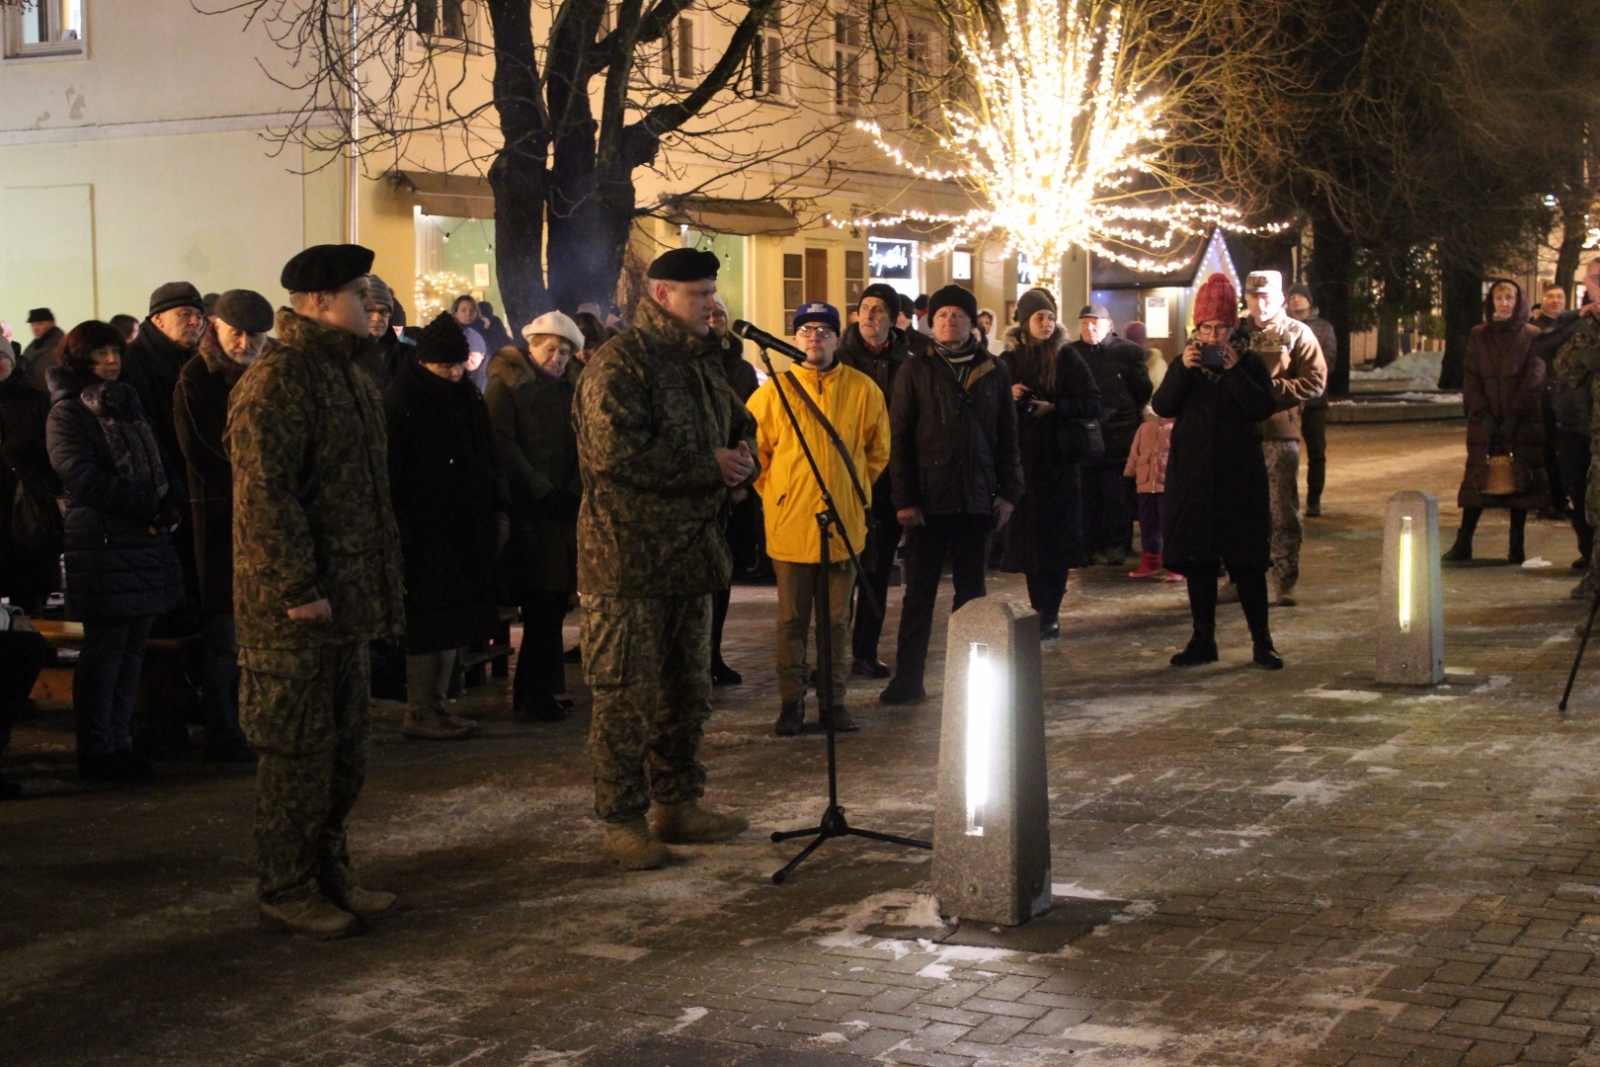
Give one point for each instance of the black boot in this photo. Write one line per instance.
(1460, 552)
(1202, 648)
(1266, 657)
(1519, 523)
(791, 716)
(722, 674)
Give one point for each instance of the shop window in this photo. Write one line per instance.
(44, 28)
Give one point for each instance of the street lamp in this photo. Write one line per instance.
(1411, 599)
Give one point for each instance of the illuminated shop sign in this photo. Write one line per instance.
(889, 258)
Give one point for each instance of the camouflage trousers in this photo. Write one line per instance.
(648, 662)
(305, 711)
(1283, 487)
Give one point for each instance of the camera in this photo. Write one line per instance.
(1211, 357)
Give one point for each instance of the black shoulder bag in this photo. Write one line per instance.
(868, 550)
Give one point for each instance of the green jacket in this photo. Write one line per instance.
(311, 510)
(651, 405)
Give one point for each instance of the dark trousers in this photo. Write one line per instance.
(1314, 428)
(1469, 525)
(1201, 578)
(106, 682)
(719, 616)
(1105, 517)
(219, 683)
(1044, 595)
(22, 655)
(1572, 450)
(541, 670)
(1559, 495)
(964, 540)
(879, 569)
(1150, 508)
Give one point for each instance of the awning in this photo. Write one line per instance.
(738, 218)
(462, 196)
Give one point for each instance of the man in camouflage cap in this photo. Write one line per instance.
(662, 438)
(317, 575)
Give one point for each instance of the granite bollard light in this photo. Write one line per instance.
(991, 834)
(1411, 601)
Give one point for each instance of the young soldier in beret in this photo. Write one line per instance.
(661, 440)
(317, 575)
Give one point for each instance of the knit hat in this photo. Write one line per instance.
(325, 268)
(176, 295)
(442, 341)
(380, 292)
(1135, 332)
(1301, 289)
(882, 291)
(244, 309)
(554, 324)
(684, 265)
(1216, 301)
(953, 296)
(1034, 301)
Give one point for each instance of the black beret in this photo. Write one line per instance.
(685, 265)
(176, 295)
(882, 291)
(442, 341)
(325, 268)
(244, 309)
(953, 296)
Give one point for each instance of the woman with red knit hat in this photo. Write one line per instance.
(1217, 507)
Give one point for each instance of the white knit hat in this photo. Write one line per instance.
(555, 324)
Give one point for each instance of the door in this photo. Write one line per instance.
(816, 275)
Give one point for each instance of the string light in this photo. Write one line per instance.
(1062, 141)
(436, 291)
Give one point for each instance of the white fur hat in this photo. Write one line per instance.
(555, 324)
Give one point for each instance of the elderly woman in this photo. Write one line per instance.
(449, 495)
(1216, 507)
(530, 403)
(1502, 387)
(124, 499)
(1051, 384)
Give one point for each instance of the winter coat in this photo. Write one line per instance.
(449, 493)
(1045, 535)
(650, 408)
(312, 517)
(1294, 360)
(124, 497)
(740, 374)
(532, 417)
(1147, 462)
(26, 572)
(1124, 381)
(854, 404)
(40, 356)
(200, 418)
(954, 432)
(1216, 504)
(1502, 388)
(1570, 380)
(151, 365)
(1322, 330)
(882, 368)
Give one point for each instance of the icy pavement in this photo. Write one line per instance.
(1272, 869)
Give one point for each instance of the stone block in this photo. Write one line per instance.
(1410, 626)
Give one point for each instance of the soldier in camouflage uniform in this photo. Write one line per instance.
(1577, 373)
(661, 439)
(317, 575)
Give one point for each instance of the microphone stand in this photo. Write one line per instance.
(833, 823)
(1583, 644)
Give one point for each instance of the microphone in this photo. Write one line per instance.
(751, 332)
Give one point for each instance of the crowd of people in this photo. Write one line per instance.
(295, 485)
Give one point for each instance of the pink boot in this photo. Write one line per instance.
(1149, 566)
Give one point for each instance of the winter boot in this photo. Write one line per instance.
(315, 917)
(364, 903)
(902, 692)
(1049, 628)
(843, 721)
(722, 674)
(1460, 552)
(1516, 555)
(630, 846)
(1202, 648)
(688, 823)
(1313, 507)
(1149, 566)
(437, 723)
(791, 716)
(1266, 657)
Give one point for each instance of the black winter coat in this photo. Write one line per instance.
(449, 494)
(1216, 505)
(200, 419)
(25, 575)
(151, 365)
(121, 563)
(1045, 536)
(40, 356)
(740, 373)
(1119, 370)
(532, 416)
(954, 446)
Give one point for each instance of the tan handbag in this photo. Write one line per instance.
(1502, 481)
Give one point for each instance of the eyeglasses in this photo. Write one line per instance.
(810, 330)
(1208, 330)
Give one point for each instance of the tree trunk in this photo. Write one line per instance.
(1332, 272)
(1574, 229)
(1462, 291)
(519, 171)
(1390, 306)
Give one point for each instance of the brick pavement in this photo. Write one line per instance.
(1300, 868)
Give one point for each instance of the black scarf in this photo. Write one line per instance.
(128, 434)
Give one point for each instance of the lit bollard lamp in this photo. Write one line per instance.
(991, 832)
(1411, 604)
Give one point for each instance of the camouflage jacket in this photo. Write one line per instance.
(651, 405)
(311, 511)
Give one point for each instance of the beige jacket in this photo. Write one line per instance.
(1298, 368)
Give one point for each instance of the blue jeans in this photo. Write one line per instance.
(219, 684)
(106, 682)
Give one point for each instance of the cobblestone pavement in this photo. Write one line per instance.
(1299, 868)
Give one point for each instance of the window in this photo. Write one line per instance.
(766, 56)
(919, 73)
(45, 28)
(453, 20)
(794, 283)
(847, 62)
(677, 50)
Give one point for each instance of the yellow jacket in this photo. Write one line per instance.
(854, 404)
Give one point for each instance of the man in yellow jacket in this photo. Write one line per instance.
(854, 404)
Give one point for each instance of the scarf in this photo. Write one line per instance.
(128, 434)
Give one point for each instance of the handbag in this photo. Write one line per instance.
(868, 550)
(1081, 440)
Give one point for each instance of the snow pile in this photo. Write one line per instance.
(1419, 369)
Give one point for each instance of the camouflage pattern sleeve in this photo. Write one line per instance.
(620, 436)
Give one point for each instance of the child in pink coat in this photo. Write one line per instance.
(1147, 466)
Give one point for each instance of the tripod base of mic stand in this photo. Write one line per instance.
(834, 825)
